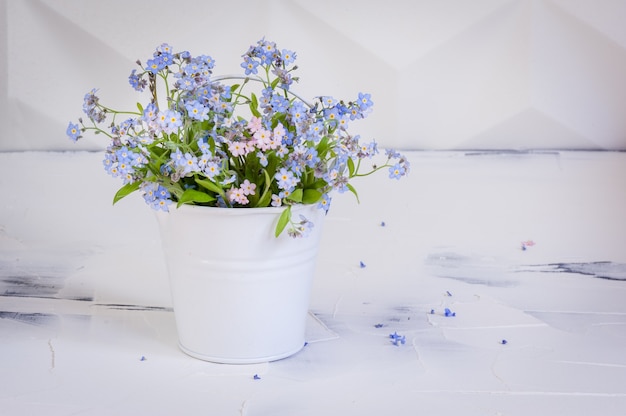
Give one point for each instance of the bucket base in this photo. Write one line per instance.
(230, 360)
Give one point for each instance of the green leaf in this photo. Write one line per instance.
(254, 105)
(140, 108)
(351, 188)
(126, 190)
(210, 186)
(296, 196)
(350, 167)
(323, 146)
(283, 220)
(193, 195)
(264, 200)
(311, 196)
(319, 184)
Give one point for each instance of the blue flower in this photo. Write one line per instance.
(396, 171)
(92, 108)
(288, 56)
(212, 169)
(161, 204)
(315, 131)
(328, 101)
(279, 103)
(262, 159)
(311, 157)
(189, 163)
(164, 48)
(150, 113)
(177, 156)
(284, 76)
(110, 164)
(301, 229)
(204, 147)
(157, 196)
(170, 121)
(298, 112)
(206, 61)
(123, 155)
(73, 131)
(324, 202)
(392, 154)
(186, 83)
(250, 66)
(285, 179)
(197, 111)
(332, 116)
(155, 65)
(266, 51)
(368, 150)
(341, 184)
(365, 101)
(136, 81)
(229, 180)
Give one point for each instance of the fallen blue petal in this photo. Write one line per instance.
(448, 293)
(504, 342)
(256, 377)
(378, 326)
(448, 312)
(397, 339)
(143, 358)
(362, 265)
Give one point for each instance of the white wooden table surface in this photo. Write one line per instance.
(86, 326)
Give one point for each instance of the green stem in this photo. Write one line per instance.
(259, 79)
(376, 169)
(239, 93)
(167, 87)
(115, 112)
(98, 129)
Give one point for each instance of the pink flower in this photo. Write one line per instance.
(238, 149)
(279, 132)
(237, 195)
(254, 124)
(248, 188)
(263, 139)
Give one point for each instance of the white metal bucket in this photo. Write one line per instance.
(240, 294)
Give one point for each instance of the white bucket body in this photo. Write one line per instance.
(240, 294)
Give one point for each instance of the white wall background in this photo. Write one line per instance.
(444, 74)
